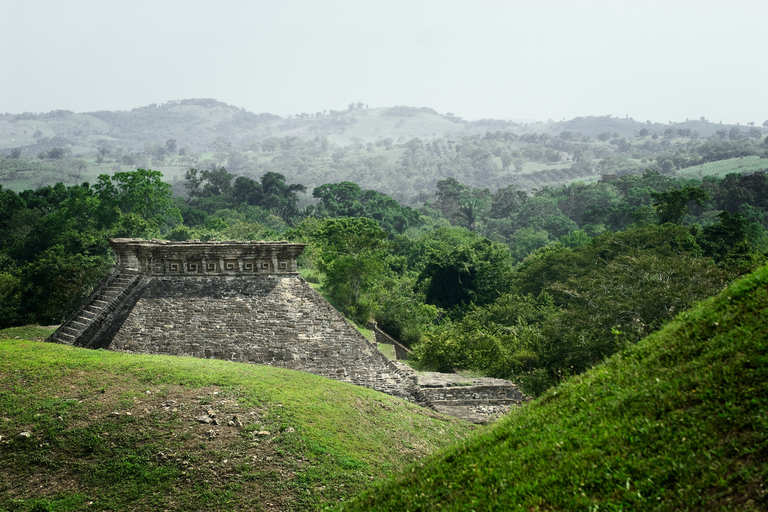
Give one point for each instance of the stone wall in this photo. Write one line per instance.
(401, 351)
(472, 395)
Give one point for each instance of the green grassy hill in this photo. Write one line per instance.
(721, 168)
(677, 422)
(98, 430)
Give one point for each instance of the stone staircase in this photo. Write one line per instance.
(81, 327)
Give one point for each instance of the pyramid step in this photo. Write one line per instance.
(64, 336)
(101, 303)
(78, 324)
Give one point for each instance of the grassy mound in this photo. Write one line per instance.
(108, 431)
(677, 422)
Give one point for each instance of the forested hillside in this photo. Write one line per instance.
(399, 151)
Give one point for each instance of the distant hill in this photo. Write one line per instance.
(677, 422)
(401, 151)
(197, 123)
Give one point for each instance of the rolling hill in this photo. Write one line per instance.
(401, 151)
(99, 430)
(677, 422)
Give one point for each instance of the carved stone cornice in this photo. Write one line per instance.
(196, 258)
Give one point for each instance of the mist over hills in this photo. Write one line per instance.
(401, 151)
(198, 123)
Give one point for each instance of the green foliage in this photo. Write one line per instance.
(54, 240)
(401, 311)
(594, 300)
(555, 264)
(733, 235)
(346, 199)
(141, 192)
(672, 205)
(615, 306)
(180, 233)
(54, 284)
(211, 191)
(351, 255)
(500, 340)
(675, 422)
(458, 268)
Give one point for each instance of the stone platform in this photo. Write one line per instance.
(476, 399)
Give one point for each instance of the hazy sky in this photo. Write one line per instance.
(650, 60)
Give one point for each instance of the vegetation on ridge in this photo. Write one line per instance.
(676, 422)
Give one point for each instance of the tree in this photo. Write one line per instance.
(53, 285)
(507, 200)
(732, 233)
(280, 197)
(352, 258)
(338, 199)
(245, 190)
(471, 208)
(462, 268)
(672, 205)
(618, 304)
(56, 153)
(141, 192)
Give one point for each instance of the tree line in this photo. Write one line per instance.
(529, 286)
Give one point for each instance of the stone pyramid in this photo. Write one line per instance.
(238, 301)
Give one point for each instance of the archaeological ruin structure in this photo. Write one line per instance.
(238, 301)
(245, 302)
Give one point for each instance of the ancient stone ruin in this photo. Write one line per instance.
(238, 301)
(245, 302)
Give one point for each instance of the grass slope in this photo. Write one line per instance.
(109, 431)
(721, 168)
(677, 422)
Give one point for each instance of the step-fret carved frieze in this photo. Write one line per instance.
(195, 258)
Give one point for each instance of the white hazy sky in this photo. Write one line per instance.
(650, 60)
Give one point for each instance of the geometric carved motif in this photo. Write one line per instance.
(194, 266)
(174, 265)
(231, 265)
